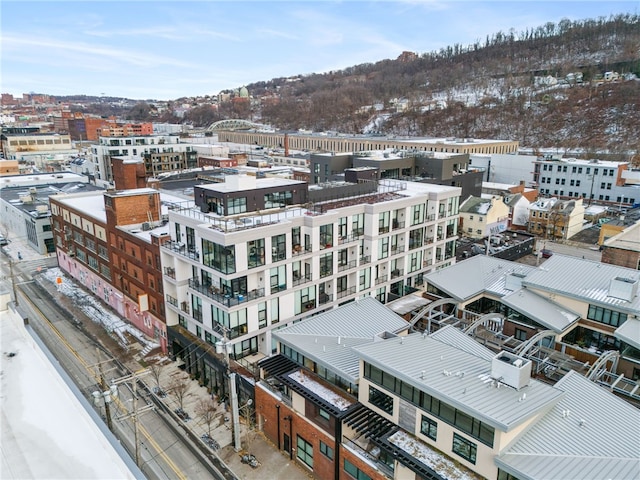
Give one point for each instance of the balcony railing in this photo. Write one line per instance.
(397, 249)
(172, 301)
(181, 249)
(396, 273)
(427, 263)
(184, 306)
(170, 272)
(381, 279)
(365, 259)
(348, 239)
(347, 265)
(431, 217)
(227, 300)
(346, 293)
(300, 250)
(382, 230)
(299, 280)
(324, 298)
(397, 225)
(326, 272)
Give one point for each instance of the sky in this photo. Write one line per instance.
(167, 49)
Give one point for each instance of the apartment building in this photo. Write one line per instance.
(583, 309)
(553, 218)
(256, 254)
(109, 242)
(160, 153)
(481, 217)
(623, 248)
(430, 167)
(595, 181)
(346, 402)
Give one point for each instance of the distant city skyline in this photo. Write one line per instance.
(169, 49)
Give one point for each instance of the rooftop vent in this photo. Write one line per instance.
(384, 336)
(623, 288)
(511, 370)
(513, 281)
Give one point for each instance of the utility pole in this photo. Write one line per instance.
(233, 394)
(133, 378)
(106, 390)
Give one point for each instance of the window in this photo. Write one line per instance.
(464, 448)
(255, 250)
(429, 427)
(606, 316)
(326, 450)
(520, 334)
(354, 471)
(381, 400)
(236, 205)
(305, 451)
(324, 414)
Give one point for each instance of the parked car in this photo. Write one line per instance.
(546, 253)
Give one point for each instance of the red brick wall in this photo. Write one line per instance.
(622, 258)
(323, 467)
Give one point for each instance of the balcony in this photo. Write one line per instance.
(348, 239)
(431, 218)
(347, 265)
(397, 225)
(396, 273)
(397, 249)
(382, 230)
(427, 263)
(300, 250)
(326, 272)
(299, 280)
(172, 301)
(325, 298)
(184, 306)
(181, 249)
(365, 259)
(170, 272)
(225, 299)
(381, 279)
(346, 293)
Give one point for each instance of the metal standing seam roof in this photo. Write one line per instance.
(629, 332)
(328, 338)
(459, 378)
(590, 434)
(582, 279)
(475, 275)
(542, 310)
(627, 239)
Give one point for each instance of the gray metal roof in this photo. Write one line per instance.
(456, 338)
(629, 332)
(557, 446)
(407, 304)
(473, 276)
(585, 280)
(328, 338)
(459, 378)
(541, 309)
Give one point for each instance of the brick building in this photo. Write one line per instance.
(110, 243)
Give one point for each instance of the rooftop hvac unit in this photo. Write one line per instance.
(146, 226)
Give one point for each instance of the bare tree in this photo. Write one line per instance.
(156, 371)
(178, 388)
(207, 411)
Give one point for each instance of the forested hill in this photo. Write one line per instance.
(542, 86)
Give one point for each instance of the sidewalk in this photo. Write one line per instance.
(273, 464)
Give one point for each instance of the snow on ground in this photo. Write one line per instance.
(97, 311)
(323, 392)
(433, 459)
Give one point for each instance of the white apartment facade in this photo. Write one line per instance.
(131, 146)
(234, 272)
(596, 181)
